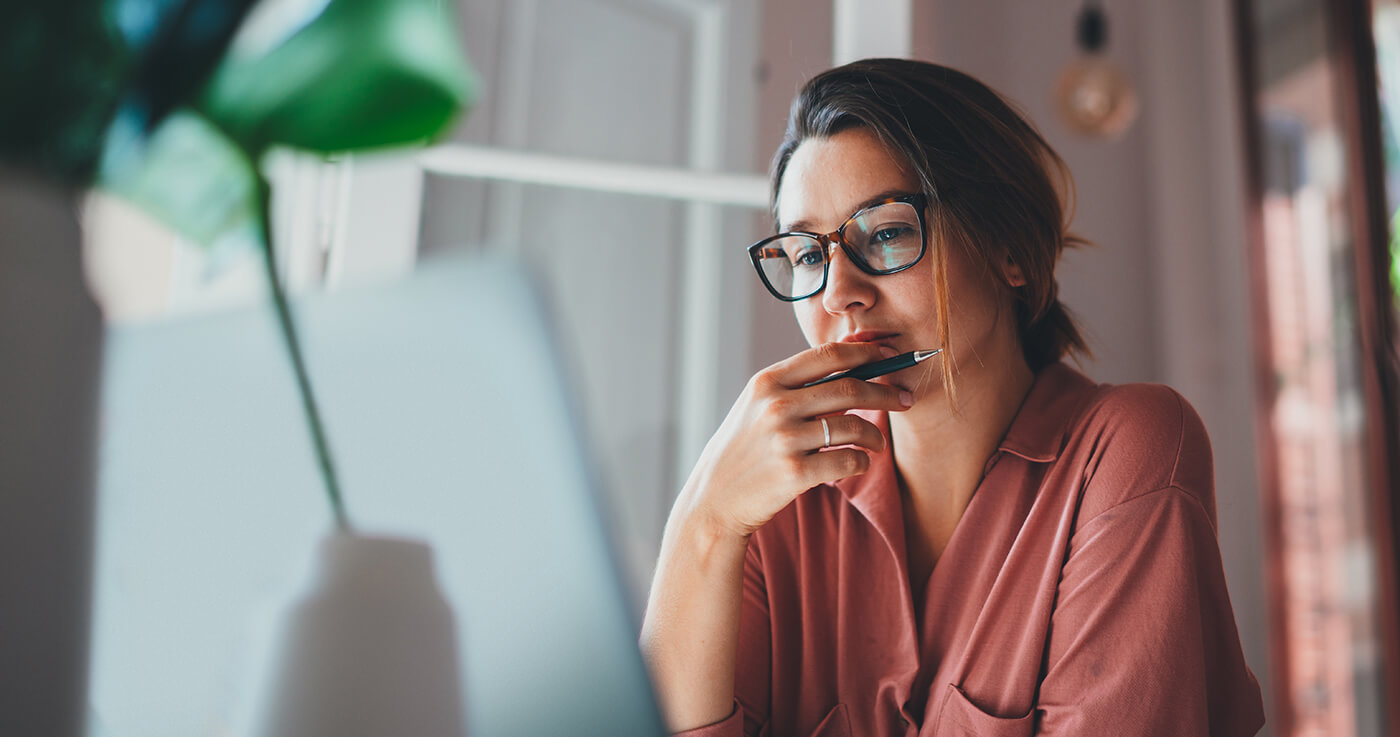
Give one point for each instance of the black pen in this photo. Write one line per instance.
(880, 368)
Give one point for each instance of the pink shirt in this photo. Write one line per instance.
(1082, 592)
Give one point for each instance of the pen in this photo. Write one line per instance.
(880, 368)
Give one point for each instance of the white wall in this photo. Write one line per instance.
(1019, 49)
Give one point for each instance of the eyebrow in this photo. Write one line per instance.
(804, 224)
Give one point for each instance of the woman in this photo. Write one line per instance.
(987, 543)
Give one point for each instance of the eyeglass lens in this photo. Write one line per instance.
(883, 238)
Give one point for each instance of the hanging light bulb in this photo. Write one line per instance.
(1092, 96)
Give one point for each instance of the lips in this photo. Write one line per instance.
(870, 336)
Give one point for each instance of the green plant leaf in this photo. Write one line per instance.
(363, 74)
(63, 67)
(187, 174)
(1395, 259)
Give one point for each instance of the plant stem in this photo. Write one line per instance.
(289, 335)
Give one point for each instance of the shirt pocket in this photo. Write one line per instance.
(962, 718)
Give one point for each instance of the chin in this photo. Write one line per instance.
(921, 381)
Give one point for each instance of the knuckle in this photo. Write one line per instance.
(846, 424)
(762, 381)
(777, 408)
(847, 389)
(865, 391)
(853, 462)
(829, 351)
(883, 391)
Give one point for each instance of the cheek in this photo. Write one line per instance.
(809, 316)
(915, 295)
(979, 306)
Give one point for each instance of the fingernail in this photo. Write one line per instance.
(906, 399)
(888, 352)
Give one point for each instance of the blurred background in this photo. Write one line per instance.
(1244, 211)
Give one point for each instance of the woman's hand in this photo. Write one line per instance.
(768, 450)
(772, 446)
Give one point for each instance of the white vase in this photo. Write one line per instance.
(370, 650)
(50, 371)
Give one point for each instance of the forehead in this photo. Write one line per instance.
(828, 179)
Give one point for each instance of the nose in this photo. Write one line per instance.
(847, 287)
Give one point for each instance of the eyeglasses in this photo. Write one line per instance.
(884, 238)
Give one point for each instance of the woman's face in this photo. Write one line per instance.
(829, 179)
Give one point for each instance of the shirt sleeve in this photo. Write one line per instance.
(753, 666)
(1143, 639)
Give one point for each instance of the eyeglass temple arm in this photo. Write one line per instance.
(770, 252)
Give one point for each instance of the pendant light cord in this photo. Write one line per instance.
(1091, 28)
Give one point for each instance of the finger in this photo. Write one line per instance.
(825, 360)
(847, 430)
(839, 463)
(809, 437)
(847, 394)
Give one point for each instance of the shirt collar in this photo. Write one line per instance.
(1037, 434)
(1038, 431)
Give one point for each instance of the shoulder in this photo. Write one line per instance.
(1135, 439)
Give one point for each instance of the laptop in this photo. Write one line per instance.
(450, 421)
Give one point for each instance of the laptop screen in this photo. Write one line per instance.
(450, 422)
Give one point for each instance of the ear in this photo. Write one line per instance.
(1012, 272)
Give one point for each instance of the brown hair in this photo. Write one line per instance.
(994, 185)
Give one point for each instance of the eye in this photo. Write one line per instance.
(807, 257)
(888, 233)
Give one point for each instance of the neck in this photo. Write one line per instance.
(940, 454)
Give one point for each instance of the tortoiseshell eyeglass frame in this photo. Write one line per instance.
(759, 250)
